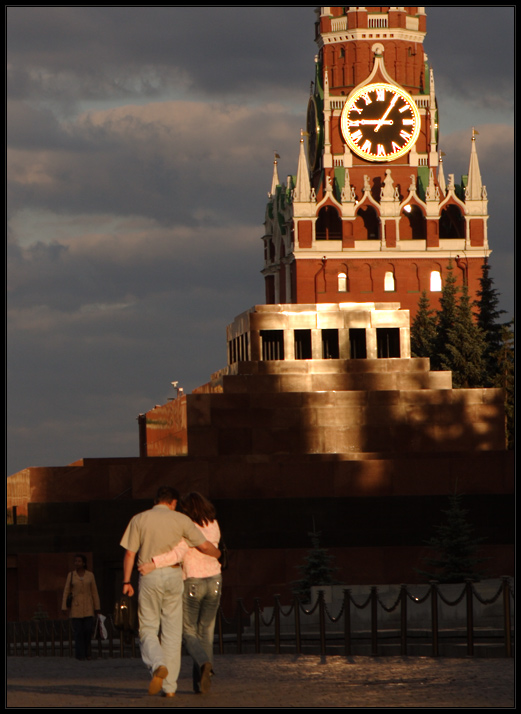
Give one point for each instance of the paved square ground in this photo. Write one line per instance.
(268, 681)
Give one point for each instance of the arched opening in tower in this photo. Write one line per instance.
(371, 223)
(414, 226)
(329, 224)
(452, 223)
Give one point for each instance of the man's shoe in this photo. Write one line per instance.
(205, 683)
(168, 694)
(156, 685)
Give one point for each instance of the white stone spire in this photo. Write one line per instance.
(275, 180)
(441, 177)
(433, 158)
(302, 190)
(475, 190)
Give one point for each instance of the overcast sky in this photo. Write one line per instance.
(140, 149)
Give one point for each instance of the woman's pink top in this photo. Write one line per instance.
(195, 563)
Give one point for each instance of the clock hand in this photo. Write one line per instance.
(357, 122)
(391, 105)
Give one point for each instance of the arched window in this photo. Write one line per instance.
(416, 228)
(342, 282)
(452, 223)
(329, 224)
(389, 282)
(435, 281)
(371, 222)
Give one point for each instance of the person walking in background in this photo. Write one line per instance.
(160, 600)
(202, 589)
(81, 599)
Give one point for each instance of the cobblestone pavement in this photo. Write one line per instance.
(268, 681)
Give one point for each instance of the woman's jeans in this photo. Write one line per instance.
(200, 604)
(83, 629)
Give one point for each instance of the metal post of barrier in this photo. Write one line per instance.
(220, 632)
(403, 620)
(322, 621)
(347, 622)
(298, 643)
(277, 623)
(110, 630)
(434, 617)
(374, 621)
(53, 638)
(506, 617)
(42, 639)
(256, 608)
(239, 626)
(470, 617)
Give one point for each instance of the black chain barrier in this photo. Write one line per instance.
(45, 637)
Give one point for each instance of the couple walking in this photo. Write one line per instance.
(179, 586)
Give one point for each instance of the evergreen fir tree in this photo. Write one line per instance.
(464, 347)
(423, 329)
(317, 569)
(488, 316)
(504, 376)
(445, 318)
(455, 546)
(475, 348)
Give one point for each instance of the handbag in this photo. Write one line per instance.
(125, 616)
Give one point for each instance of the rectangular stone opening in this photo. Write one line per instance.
(387, 342)
(272, 344)
(303, 344)
(330, 349)
(357, 343)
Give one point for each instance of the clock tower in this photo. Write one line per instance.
(369, 215)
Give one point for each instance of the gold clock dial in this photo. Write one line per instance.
(380, 122)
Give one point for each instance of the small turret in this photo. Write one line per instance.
(475, 191)
(302, 189)
(275, 179)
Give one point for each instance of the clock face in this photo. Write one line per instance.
(312, 131)
(380, 122)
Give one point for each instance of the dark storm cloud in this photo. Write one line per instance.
(161, 161)
(466, 45)
(102, 52)
(137, 262)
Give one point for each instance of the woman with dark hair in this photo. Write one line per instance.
(202, 588)
(80, 597)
